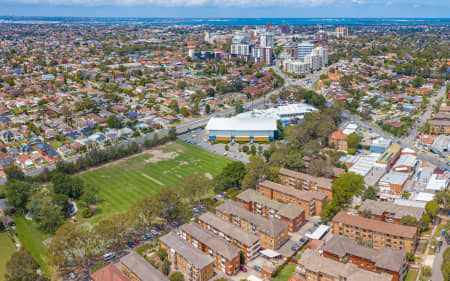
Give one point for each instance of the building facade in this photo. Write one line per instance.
(194, 264)
(390, 261)
(248, 242)
(290, 213)
(272, 233)
(312, 201)
(226, 255)
(376, 234)
(306, 182)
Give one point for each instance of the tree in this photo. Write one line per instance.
(68, 185)
(184, 111)
(169, 204)
(445, 266)
(14, 173)
(2, 226)
(367, 213)
(409, 220)
(113, 122)
(257, 169)
(232, 175)
(369, 193)
(418, 82)
(432, 207)
(443, 198)
(207, 108)
(45, 212)
(195, 187)
(353, 141)
(176, 276)
(21, 266)
(329, 211)
(162, 253)
(172, 133)
(18, 193)
(346, 186)
(166, 267)
(320, 168)
(174, 106)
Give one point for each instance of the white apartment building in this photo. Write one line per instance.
(304, 48)
(240, 49)
(266, 40)
(297, 67)
(323, 53)
(315, 61)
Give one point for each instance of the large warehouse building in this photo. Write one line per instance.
(288, 114)
(241, 129)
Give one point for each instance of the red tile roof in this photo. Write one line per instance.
(109, 273)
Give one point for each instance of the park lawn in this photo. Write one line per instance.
(286, 272)
(7, 248)
(33, 240)
(121, 184)
(411, 275)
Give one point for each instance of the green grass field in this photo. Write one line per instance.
(7, 248)
(286, 272)
(121, 184)
(411, 275)
(33, 240)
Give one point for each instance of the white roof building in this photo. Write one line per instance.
(241, 124)
(438, 182)
(365, 164)
(283, 112)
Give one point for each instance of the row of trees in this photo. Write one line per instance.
(73, 244)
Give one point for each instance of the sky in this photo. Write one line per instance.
(229, 8)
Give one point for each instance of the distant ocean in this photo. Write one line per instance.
(229, 21)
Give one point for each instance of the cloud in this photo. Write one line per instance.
(219, 3)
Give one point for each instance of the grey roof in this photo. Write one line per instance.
(186, 250)
(144, 270)
(229, 229)
(269, 226)
(395, 178)
(393, 210)
(304, 195)
(406, 160)
(313, 261)
(388, 258)
(290, 211)
(218, 245)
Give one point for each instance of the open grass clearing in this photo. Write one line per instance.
(122, 183)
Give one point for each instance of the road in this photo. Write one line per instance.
(436, 274)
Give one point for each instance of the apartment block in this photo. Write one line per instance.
(290, 213)
(390, 261)
(389, 211)
(136, 268)
(248, 242)
(195, 264)
(377, 234)
(226, 255)
(306, 182)
(314, 267)
(272, 233)
(311, 200)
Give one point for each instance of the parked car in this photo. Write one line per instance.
(109, 256)
(154, 232)
(243, 268)
(130, 245)
(310, 231)
(299, 244)
(304, 240)
(294, 248)
(317, 224)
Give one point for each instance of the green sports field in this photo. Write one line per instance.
(122, 183)
(7, 248)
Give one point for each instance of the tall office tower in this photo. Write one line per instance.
(304, 48)
(323, 53)
(266, 40)
(341, 32)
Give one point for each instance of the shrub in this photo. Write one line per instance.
(86, 214)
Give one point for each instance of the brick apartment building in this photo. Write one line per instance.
(306, 182)
(314, 267)
(226, 255)
(339, 139)
(272, 232)
(390, 261)
(248, 242)
(136, 268)
(311, 201)
(389, 211)
(377, 234)
(290, 213)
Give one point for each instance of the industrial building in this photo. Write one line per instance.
(288, 114)
(241, 129)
